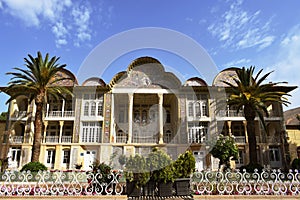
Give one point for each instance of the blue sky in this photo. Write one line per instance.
(262, 33)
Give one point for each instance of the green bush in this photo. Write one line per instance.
(104, 170)
(34, 167)
(185, 165)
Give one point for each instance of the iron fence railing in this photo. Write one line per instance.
(75, 183)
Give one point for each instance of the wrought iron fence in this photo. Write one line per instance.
(71, 183)
(266, 182)
(75, 183)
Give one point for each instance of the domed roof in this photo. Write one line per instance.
(142, 61)
(69, 78)
(195, 81)
(94, 81)
(119, 76)
(225, 75)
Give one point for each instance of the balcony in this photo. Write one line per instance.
(144, 139)
(60, 114)
(55, 139)
(18, 114)
(230, 113)
(169, 139)
(240, 139)
(16, 139)
(196, 140)
(121, 139)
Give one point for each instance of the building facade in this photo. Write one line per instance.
(140, 108)
(292, 123)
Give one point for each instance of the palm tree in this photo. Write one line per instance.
(250, 94)
(37, 82)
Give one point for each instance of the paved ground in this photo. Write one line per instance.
(124, 197)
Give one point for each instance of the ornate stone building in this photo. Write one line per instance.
(141, 108)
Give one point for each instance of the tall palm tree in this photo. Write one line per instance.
(37, 82)
(250, 94)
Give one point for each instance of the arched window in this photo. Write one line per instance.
(86, 109)
(144, 116)
(168, 119)
(93, 108)
(198, 109)
(191, 110)
(100, 109)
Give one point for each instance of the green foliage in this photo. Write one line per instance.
(122, 160)
(103, 169)
(161, 167)
(3, 116)
(225, 149)
(34, 167)
(185, 165)
(137, 170)
(296, 163)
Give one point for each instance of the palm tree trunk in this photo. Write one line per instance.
(252, 142)
(250, 114)
(38, 128)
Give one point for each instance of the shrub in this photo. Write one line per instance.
(137, 170)
(34, 167)
(161, 167)
(185, 165)
(104, 170)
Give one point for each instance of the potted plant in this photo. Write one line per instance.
(162, 171)
(184, 168)
(137, 174)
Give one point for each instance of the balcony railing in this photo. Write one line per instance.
(52, 139)
(144, 139)
(194, 139)
(240, 139)
(230, 113)
(121, 139)
(169, 139)
(66, 139)
(16, 139)
(60, 114)
(19, 114)
(55, 139)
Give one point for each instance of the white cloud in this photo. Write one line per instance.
(237, 63)
(33, 11)
(81, 17)
(287, 63)
(67, 21)
(240, 29)
(60, 32)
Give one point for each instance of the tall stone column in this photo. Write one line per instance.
(63, 108)
(247, 144)
(61, 126)
(130, 122)
(229, 128)
(45, 131)
(160, 118)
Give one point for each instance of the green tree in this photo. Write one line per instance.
(225, 149)
(250, 94)
(3, 116)
(37, 82)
